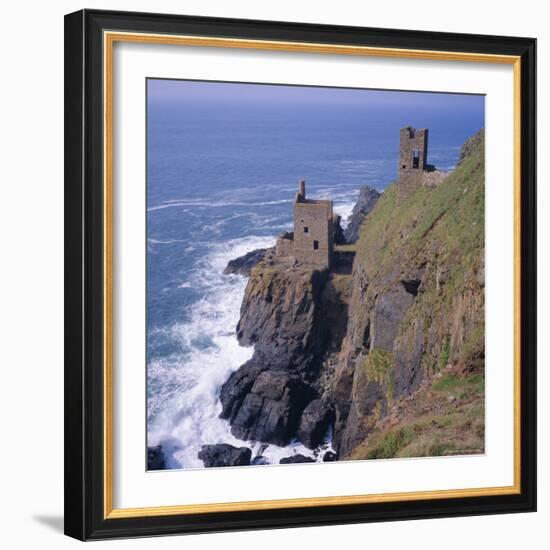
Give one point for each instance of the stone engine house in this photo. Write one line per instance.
(312, 241)
(413, 151)
(413, 167)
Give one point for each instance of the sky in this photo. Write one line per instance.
(201, 92)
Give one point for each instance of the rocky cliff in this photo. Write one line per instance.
(368, 197)
(243, 264)
(281, 316)
(417, 298)
(349, 350)
(294, 317)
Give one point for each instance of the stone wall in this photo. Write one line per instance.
(433, 178)
(284, 247)
(313, 235)
(413, 151)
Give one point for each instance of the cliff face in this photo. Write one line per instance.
(417, 300)
(349, 350)
(243, 265)
(282, 315)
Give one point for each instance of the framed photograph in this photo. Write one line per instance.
(300, 274)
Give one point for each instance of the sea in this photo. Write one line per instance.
(221, 177)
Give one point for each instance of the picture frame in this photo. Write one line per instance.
(90, 292)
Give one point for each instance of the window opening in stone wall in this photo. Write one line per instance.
(416, 158)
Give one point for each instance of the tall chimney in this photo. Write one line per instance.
(302, 188)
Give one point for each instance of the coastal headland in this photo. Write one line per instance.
(376, 345)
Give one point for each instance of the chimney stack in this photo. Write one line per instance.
(302, 188)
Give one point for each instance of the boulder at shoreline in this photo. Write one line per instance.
(223, 454)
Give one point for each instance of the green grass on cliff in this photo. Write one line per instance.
(444, 357)
(377, 366)
(450, 215)
(461, 388)
(446, 418)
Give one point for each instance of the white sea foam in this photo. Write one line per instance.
(210, 204)
(343, 198)
(344, 209)
(183, 404)
(169, 241)
(273, 453)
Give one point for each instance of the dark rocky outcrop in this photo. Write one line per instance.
(155, 458)
(269, 411)
(368, 197)
(387, 315)
(281, 315)
(223, 454)
(296, 459)
(243, 264)
(339, 237)
(314, 423)
(330, 456)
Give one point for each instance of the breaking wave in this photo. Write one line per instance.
(183, 388)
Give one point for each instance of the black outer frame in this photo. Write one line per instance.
(84, 518)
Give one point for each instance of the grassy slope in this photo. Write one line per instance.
(445, 417)
(448, 219)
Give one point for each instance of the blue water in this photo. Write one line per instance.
(221, 178)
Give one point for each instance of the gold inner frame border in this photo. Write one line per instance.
(109, 39)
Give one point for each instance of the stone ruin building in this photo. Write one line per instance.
(413, 159)
(312, 241)
(413, 151)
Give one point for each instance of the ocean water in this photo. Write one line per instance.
(221, 177)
